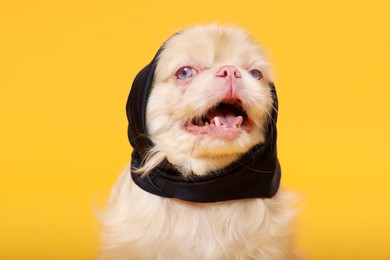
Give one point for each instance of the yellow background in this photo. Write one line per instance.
(66, 68)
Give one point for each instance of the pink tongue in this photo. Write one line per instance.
(226, 116)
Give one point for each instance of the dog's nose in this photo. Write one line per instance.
(228, 71)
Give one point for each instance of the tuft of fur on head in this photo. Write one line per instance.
(173, 102)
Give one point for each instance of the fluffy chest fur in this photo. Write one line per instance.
(138, 225)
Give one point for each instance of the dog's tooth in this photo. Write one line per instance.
(240, 122)
(217, 122)
(201, 123)
(207, 123)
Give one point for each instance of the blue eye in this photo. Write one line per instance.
(256, 74)
(185, 73)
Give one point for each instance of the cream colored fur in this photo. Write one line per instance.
(139, 225)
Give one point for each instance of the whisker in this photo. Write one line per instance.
(255, 170)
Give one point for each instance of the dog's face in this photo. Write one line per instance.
(210, 99)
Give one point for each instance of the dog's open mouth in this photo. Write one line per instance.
(226, 119)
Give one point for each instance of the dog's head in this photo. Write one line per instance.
(210, 99)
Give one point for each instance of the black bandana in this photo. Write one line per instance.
(255, 175)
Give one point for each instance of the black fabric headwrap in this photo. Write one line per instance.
(255, 175)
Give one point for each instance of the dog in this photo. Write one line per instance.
(204, 178)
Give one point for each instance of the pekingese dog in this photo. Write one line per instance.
(203, 182)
